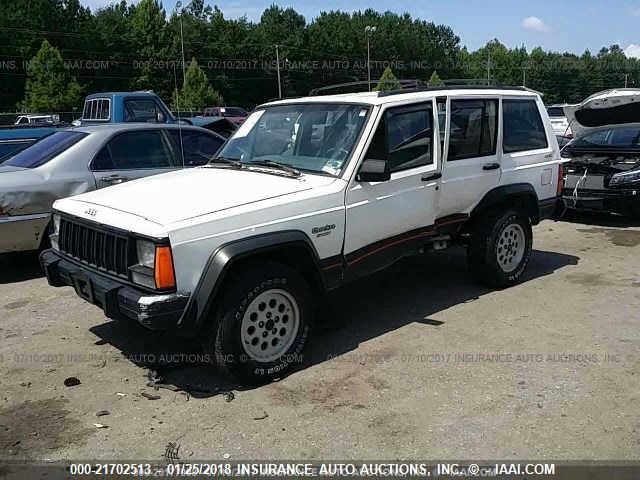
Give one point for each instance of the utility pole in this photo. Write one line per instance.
(626, 80)
(524, 77)
(278, 70)
(368, 31)
(488, 68)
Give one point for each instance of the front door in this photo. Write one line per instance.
(133, 154)
(387, 220)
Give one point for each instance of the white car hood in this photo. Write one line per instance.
(184, 194)
(604, 109)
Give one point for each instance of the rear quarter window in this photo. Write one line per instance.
(522, 126)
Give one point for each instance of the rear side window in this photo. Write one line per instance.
(141, 110)
(45, 149)
(522, 126)
(198, 147)
(135, 150)
(474, 128)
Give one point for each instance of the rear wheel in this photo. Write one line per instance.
(262, 326)
(500, 248)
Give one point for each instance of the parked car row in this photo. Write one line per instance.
(116, 107)
(76, 160)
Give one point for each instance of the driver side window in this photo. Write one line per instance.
(404, 137)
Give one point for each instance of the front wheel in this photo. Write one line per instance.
(261, 328)
(500, 248)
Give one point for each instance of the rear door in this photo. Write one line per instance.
(472, 164)
(529, 151)
(134, 154)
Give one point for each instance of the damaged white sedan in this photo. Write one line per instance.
(77, 160)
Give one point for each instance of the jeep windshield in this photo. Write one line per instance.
(311, 137)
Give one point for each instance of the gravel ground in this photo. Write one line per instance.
(416, 362)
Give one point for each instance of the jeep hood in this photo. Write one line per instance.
(604, 109)
(184, 194)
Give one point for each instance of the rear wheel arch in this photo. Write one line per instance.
(520, 196)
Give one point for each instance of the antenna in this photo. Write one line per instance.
(175, 81)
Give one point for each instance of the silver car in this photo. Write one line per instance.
(75, 160)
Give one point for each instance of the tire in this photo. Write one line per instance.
(261, 328)
(500, 248)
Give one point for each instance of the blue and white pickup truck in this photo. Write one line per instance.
(146, 107)
(124, 107)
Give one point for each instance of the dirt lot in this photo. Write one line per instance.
(416, 362)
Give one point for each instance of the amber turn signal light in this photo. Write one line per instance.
(164, 274)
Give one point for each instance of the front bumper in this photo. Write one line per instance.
(22, 232)
(610, 200)
(117, 299)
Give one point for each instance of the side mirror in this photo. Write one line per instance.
(373, 170)
(160, 117)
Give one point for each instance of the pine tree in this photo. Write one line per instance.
(148, 34)
(196, 92)
(49, 87)
(435, 80)
(388, 81)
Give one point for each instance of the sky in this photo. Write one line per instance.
(569, 25)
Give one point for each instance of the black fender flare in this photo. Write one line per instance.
(506, 193)
(220, 262)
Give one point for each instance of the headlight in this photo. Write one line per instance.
(155, 266)
(624, 178)
(142, 272)
(146, 253)
(55, 232)
(56, 224)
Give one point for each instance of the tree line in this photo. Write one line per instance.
(63, 47)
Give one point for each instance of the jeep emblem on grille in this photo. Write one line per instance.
(91, 211)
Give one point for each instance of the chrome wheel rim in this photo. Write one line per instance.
(270, 325)
(511, 247)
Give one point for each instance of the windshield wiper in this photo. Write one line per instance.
(279, 165)
(226, 161)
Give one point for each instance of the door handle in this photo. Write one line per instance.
(114, 179)
(433, 176)
(491, 166)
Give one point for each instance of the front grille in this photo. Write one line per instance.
(103, 250)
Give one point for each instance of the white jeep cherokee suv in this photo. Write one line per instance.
(309, 194)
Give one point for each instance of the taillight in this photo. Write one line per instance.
(560, 180)
(164, 274)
